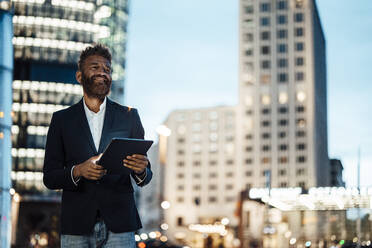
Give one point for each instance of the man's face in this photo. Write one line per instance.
(95, 77)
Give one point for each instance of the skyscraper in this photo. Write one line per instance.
(282, 94)
(48, 39)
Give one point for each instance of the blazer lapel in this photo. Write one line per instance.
(82, 119)
(107, 124)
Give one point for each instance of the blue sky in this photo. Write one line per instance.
(184, 54)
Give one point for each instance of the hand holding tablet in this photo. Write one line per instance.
(124, 155)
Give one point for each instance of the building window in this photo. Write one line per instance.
(230, 199)
(179, 221)
(213, 175)
(301, 146)
(283, 160)
(283, 147)
(300, 133)
(229, 174)
(229, 186)
(180, 152)
(301, 159)
(181, 164)
(299, 32)
(265, 7)
(282, 172)
(180, 187)
(249, 136)
(283, 110)
(180, 175)
(265, 111)
(282, 63)
(249, 149)
(282, 135)
(196, 163)
(282, 48)
(299, 46)
(283, 122)
(265, 50)
(265, 21)
(265, 123)
(298, 17)
(282, 34)
(248, 161)
(282, 19)
(299, 61)
(265, 160)
(180, 199)
(230, 162)
(283, 184)
(300, 172)
(300, 76)
(265, 35)
(249, 52)
(282, 77)
(212, 187)
(248, 37)
(265, 148)
(265, 64)
(196, 187)
(248, 9)
(265, 135)
(301, 123)
(282, 5)
(181, 140)
(212, 162)
(300, 109)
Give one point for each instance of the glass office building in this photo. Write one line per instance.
(48, 38)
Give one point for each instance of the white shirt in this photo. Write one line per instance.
(95, 122)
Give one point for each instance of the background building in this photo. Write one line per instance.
(279, 128)
(48, 39)
(6, 74)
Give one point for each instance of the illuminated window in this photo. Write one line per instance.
(301, 96)
(1, 114)
(265, 160)
(265, 79)
(265, 99)
(283, 97)
(301, 123)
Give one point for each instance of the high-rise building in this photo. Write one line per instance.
(6, 74)
(278, 135)
(282, 94)
(48, 39)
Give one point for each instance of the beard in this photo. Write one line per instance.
(96, 89)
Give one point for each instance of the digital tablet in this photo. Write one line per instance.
(118, 149)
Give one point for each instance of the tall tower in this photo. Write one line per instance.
(282, 94)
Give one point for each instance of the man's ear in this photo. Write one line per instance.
(78, 76)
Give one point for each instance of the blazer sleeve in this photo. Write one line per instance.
(139, 133)
(56, 174)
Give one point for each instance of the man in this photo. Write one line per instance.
(98, 208)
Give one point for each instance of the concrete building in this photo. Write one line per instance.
(6, 74)
(201, 170)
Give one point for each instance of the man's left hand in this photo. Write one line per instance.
(136, 162)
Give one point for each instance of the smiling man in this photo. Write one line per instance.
(98, 209)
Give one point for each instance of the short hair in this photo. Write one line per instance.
(96, 49)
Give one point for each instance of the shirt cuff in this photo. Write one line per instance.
(141, 177)
(72, 177)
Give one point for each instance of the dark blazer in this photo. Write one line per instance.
(69, 142)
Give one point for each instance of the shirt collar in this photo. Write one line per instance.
(102, 107)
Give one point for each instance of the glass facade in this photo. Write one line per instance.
(6, 68)
(48, 38)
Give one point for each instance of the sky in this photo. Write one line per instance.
(184, 54)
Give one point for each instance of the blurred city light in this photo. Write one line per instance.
(308, 243)
(163, 130)
(292, 241)
(163, 238)
(225, 221)
(165, 204)
(152, 235)
(137, 237)
(144, 236)
(164, 226)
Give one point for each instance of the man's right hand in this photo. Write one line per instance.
(89, 169)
